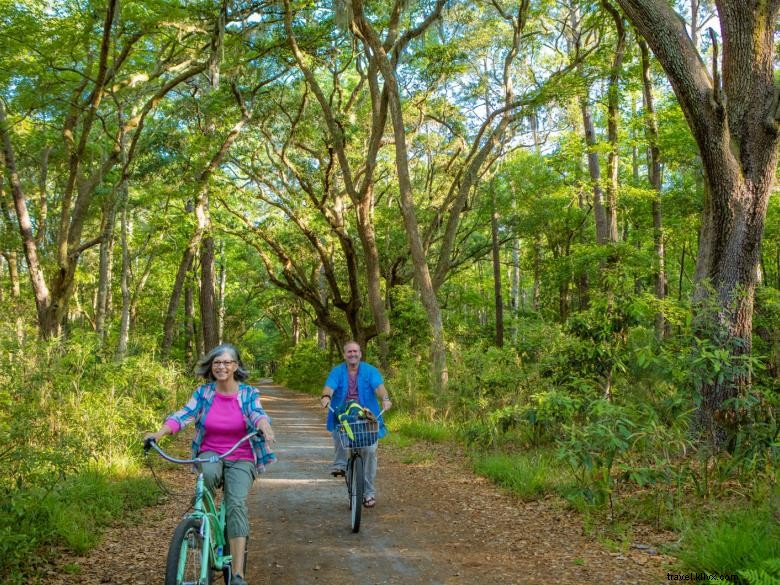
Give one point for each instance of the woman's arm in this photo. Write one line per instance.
(258, 416)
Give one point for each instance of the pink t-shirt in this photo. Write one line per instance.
(224, 426)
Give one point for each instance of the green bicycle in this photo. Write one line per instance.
(199, 546)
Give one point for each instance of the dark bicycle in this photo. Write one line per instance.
(356, 431)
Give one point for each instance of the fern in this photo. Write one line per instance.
(767, 574)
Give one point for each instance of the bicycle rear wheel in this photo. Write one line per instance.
(356, 479)
(185, 555)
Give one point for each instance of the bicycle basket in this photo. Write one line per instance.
(355, 432)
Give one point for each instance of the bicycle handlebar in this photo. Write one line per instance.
(381, 412)
(152, 444)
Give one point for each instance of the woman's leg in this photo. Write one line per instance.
(239, 476)
(212, 472)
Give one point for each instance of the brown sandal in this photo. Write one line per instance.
(369, 502)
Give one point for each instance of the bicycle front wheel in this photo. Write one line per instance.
(356, 491)
(185, 555)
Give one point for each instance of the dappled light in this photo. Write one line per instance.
(536, 243)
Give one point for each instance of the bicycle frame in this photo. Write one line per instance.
(211, 517)
(354, 458)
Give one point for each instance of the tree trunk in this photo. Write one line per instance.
(536, 291)
(105, 264)
(322, 338)
(43, 205)
(208, 293)
(365, 210)
(654, 176)
(190, 352)
(515, 294)
(124, 322)
(178, 286)
(13, 274)
(222, 286)
(613, 121)
(34, 269)
(421, 272)
(201, 215)
(594, 169)
(362, 198)
(295, 327)
(16, 292)
(682, 273)
(736, 125)
(497, 286)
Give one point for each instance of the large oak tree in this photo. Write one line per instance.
(732, 110)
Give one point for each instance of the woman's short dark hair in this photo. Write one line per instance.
(203, 368)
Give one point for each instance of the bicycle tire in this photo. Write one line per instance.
(356, 481)
(186, 541)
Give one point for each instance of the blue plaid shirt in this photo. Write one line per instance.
(198, 406)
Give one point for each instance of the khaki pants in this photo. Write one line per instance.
(237, 477)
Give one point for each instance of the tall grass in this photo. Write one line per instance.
(732, 541)
(70, 515)
(527, 475)
(71, 421)
(419, 427)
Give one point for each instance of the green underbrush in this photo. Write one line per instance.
(72, 420)
(420, 428)
(599, 411)
(70, 516)
(528, 475)
(733, 541)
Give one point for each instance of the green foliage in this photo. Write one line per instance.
(417, 427)
(304, 367)
(529, 475)
(593, 448)
(70, 515)
(68, 406)
(71, 420)
(738, 540)
(410, 325)
(548, 412)
(766, 341)
(483, 373)
(766, 574)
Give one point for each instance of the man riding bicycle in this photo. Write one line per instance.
(360, 382)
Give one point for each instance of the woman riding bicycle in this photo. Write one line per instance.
(223, 411)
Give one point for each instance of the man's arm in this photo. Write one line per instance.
(327, 396)
(383, 396)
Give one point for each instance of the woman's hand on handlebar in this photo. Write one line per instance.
(158, 435)
(265, 427)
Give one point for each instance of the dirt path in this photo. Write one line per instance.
(435, 523)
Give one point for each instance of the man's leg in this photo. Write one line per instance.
(339, 456)
(369, 471)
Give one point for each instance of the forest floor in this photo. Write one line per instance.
(435, 523)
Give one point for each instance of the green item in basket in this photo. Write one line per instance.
(354, 418)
